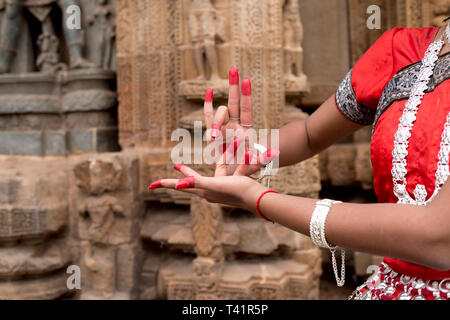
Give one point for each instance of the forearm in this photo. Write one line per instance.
(398, 231)
(294, 134)
(300, 140)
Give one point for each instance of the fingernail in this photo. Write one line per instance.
(155, 185)
(231, 149)
(248, 157)
(215, 130)
(246, 87)
(270, 154)
(209, 95)
(178, 167)
(224, 148)
(182, 185)
(236, 144)
(185, 183)
(234, 76)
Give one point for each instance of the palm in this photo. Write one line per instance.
(236, 118)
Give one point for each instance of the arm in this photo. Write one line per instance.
(412, 233)
(323, 128)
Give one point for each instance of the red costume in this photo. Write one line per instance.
(375, 93)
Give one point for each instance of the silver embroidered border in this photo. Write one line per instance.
(349, 106)
(403, 134)
(399, 87)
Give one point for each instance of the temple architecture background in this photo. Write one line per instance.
(86, 122)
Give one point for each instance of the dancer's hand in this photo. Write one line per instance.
(237, 191)
(237, 117)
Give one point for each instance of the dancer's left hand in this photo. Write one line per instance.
(237, 191)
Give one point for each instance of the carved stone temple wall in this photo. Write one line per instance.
(86, 122)
(169, 54)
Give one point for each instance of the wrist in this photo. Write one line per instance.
(251, 196)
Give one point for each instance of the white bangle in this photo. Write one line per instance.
(317, 224)
(317, 233)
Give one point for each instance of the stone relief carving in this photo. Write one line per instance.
(207, 225)
(104, 19)
(48, 57)
(205, 29)
(54, 77)
(107, 225)
(293, 39)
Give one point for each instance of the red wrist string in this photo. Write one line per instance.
(259, 200)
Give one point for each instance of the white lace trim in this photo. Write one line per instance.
(403, 134)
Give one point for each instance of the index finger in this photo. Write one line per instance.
(233, 94)
(208, 109)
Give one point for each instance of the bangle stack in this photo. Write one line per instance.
(317, 233)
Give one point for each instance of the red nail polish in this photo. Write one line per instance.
(234, 76)
(155, 185)
(182, 185)
(248, 157)
(209, 95)
(224, 148)
(185, 183)
(246, 88)
(215, 130)
(270, 154)
(178, 167)
(236, 144)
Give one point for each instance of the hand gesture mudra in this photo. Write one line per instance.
(237, 117)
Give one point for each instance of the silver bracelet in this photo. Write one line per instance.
(317, 224)
(317, 233)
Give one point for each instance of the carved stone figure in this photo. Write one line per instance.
(104, 19)
(100, 262)
(207, 277)
(48, 59)
(101, 213)
(41, 9)
(293, 38)
(204, 29)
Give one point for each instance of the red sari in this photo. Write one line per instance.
(375, 93)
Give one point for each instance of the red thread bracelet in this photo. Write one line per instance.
(259, 200)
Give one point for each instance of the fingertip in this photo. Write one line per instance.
(248, 158)
(246, 87)
(178, 167)
(209, 95)
(155, 185)
(234, 76)
(236, 144)
(269, 155)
